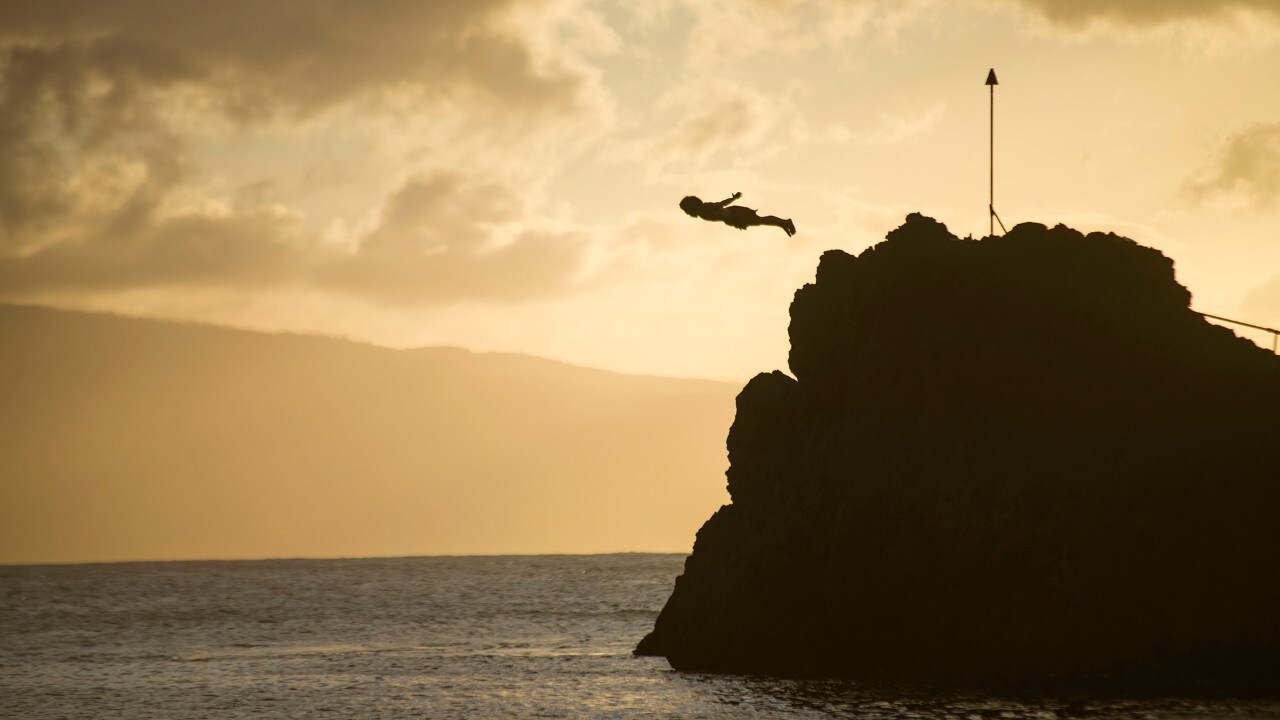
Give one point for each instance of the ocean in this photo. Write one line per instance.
(427, 637)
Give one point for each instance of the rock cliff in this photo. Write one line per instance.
(1021, 461)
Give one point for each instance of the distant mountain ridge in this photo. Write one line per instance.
(124, 438)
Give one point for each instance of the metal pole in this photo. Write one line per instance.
(1275, 332)
(991, 189)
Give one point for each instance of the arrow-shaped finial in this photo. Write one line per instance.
(991, 77)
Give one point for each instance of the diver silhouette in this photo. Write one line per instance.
(733, 215)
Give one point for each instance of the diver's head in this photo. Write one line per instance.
(690, 205)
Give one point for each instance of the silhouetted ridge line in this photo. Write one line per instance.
(1021, 461)
(131, 439)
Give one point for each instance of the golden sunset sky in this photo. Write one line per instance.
(504, 175)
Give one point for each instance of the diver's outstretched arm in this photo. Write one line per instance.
(726, 202)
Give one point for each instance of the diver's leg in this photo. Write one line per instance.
(787, 226)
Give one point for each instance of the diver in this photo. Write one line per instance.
(733, 215)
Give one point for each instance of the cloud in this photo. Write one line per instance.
(243, 250)
(702, 121)
(895, 128)
(258, 59)
(1246, 170)
(438, 240)
(726, 117)
(728, 33)
(1190, 28)
(71, 149)
(90, 84)
(441, 238)
(99, 191)
(1081, 14)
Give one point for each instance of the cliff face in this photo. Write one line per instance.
(1019, 461)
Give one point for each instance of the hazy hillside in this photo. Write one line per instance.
(135, 439)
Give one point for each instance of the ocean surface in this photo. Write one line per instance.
(432, 637)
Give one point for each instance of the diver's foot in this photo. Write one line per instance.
(790, 227)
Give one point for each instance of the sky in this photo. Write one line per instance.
(504, 175)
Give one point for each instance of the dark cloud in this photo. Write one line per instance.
(299, 56)
(1144, 13)
(90, 167)
(57, 127)
(436, 243)
(242, 250)
(80, 82)
(1248, 168)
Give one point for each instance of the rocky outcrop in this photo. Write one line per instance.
(1020, 461)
